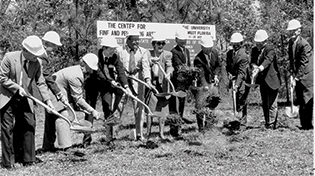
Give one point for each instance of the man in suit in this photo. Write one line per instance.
(208, 61)
(70, 80)
(264, 63)
(181, 58)
(164, 58)
(18, 70)
(301, 68)
(237, 62)
(103, 82)
(136, 64)
(51, 42)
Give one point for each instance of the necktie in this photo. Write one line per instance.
(23, 81)
(293, 49)
(185, 56)
(259, 59)
(132, 62)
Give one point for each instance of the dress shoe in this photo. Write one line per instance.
(306, 128)
(8, 167)
(30, 163)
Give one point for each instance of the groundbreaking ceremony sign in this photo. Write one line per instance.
(120, 31)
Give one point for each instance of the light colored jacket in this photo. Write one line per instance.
(10, 75)
(142, 63)
(70, 80)
(165, 60)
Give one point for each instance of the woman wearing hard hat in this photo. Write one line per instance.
(264, 62)
(237, 62)
(164, 58)
(301, 68)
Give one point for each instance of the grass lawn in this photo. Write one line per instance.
(286, 151)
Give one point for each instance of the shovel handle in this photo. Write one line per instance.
(163, 72)
(144, 83)
(49, 109)
(73, 112)
(135, 98)
(291, 92)
(234, 97)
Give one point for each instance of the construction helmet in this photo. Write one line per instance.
(52, 37)
(158, 37)
(181, 33)
(91, 60)
(293, 24)
(206, 41)
(236, 38)
(133, 32)
(260, 36)
(109, 41)
(34, 45)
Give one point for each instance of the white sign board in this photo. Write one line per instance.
(120, 31)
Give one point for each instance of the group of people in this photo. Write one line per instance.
(117, 72)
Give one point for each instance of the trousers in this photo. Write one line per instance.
(17, 132)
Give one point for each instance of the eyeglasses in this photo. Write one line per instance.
(160, 43)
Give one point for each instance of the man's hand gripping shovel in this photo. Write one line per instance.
(82, 126)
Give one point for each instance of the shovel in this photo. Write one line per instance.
(180, 93)
(156, 114)
(145, 84)
(73, 126)
(82, 122)
(252, 82)
(291, 111)
(234, 99)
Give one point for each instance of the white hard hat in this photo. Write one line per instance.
(34, 45)
(91, 60)
(260, 36)
(206, 41)
(181, 34)
(236, 38)
(109, 41)
(133, 32)
(293, 24)
(158, 37)
(52, 37)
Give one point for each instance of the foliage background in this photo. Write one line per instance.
(75, 21)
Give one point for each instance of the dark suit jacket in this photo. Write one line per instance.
(47, 72)
(10, 75)
(237, 63)
(108, 67)
(178, 58)
(301, 61)
(210, 66)
(270, 74)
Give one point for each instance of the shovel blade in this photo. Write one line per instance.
(292, 112)
(163, 94)
(79, 128)
(251, 85)
(180, 94)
